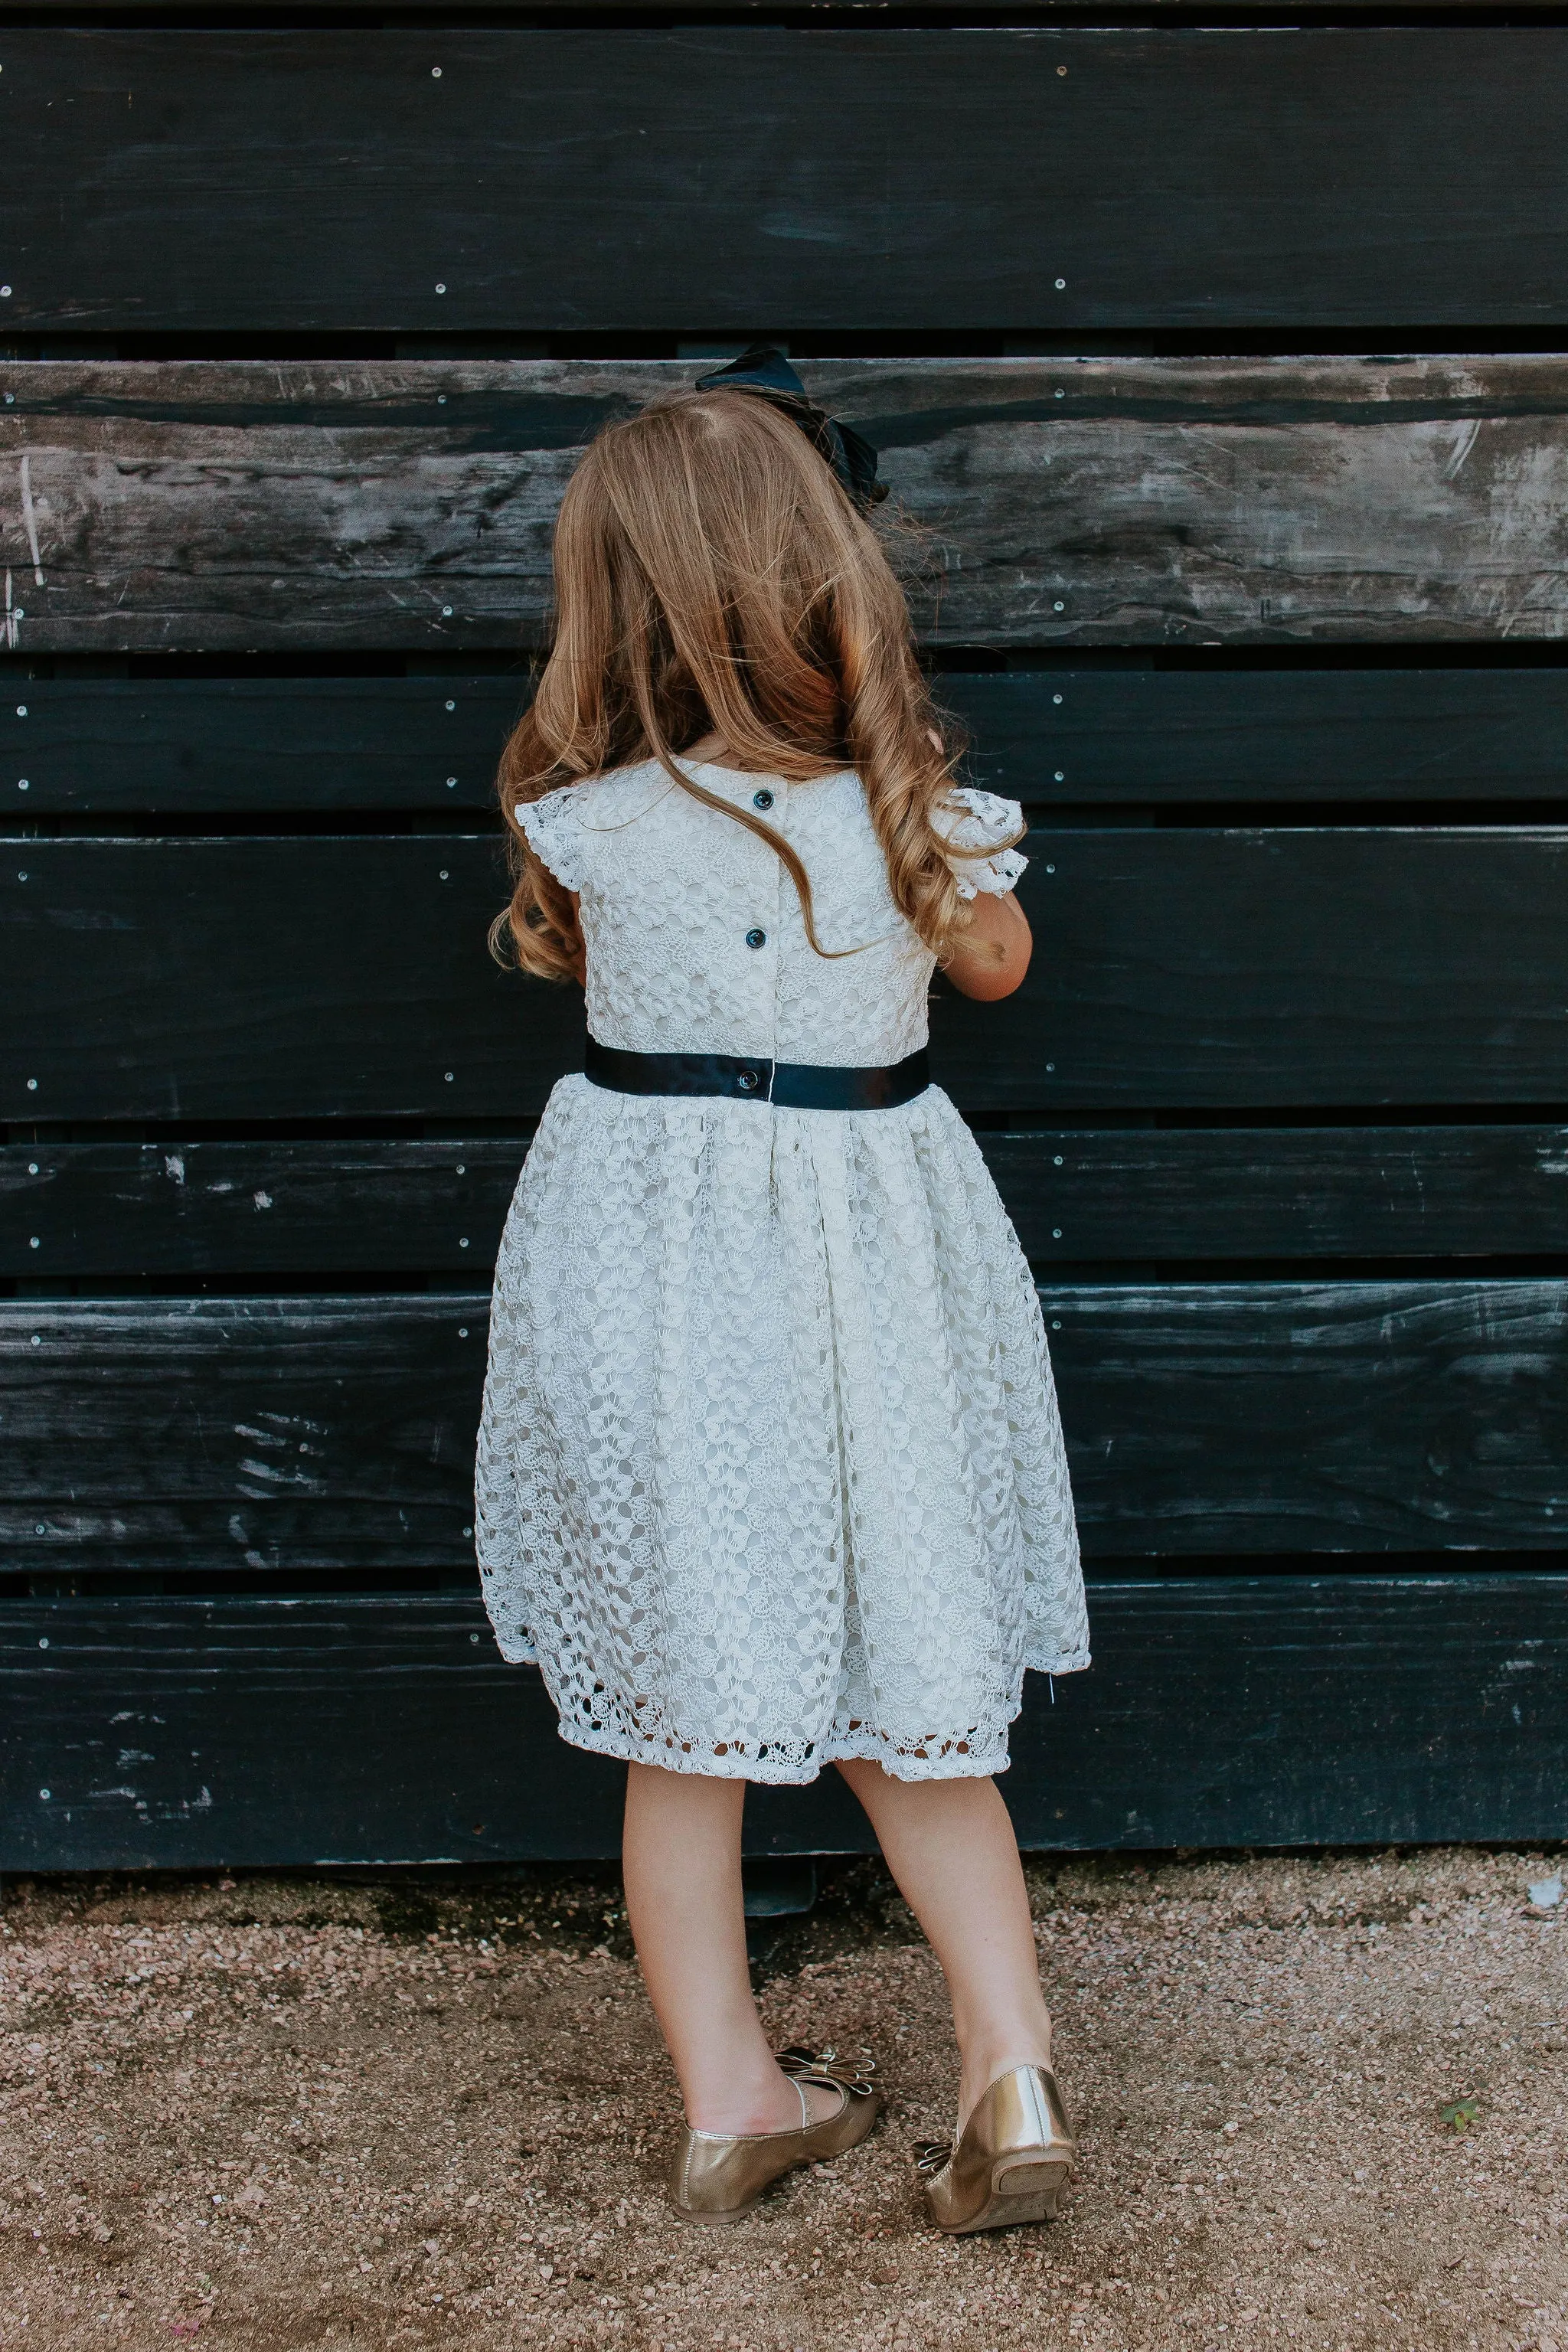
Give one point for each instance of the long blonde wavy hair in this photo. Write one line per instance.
(712, 576)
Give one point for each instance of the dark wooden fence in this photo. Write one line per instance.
(302, 327)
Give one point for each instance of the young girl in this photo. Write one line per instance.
(770, 1473)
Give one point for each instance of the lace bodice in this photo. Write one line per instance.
(695, 933)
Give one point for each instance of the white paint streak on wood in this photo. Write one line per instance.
(30, 517)
(1464, 442)
(1527, 501)
(294, 1480)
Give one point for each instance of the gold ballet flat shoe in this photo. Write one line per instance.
(718, 2176)
(1015, 2152)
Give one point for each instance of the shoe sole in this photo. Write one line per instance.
(1020, 2193)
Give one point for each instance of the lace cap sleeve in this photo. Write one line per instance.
(975, 822)
(551, 827)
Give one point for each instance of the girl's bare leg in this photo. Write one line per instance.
(950, 1847)
(682, 1865)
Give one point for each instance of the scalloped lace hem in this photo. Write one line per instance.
(971, 1755)
(957, 1760)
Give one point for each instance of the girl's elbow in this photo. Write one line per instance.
(988, 982)
(1003, 983)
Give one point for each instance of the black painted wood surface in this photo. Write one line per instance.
(700, 181)
(1250, 967)
(294, 1435)
(265, 979)
(249, 1040)
(267, 1206)
(164, 1734)
(401, 505)
(1161, 737)
(252, 745)
(1283, 1193)
(74, 1212)
(251, 1434)
(326, 978)
(868, 14)
(248, 746)
(1332, 1416)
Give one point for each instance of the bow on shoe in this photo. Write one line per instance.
(826, 2066)
(931, 2156)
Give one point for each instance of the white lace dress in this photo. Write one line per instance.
(770, 1471)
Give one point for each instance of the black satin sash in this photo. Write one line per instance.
(788, 1086)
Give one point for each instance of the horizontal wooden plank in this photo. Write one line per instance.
(1333, 1416)
(281, 1207)
(259, 1434)
(981, 179)
(243, 745)
(409, 504)
(70, 1211)
(334, 977)
(287, 1435)
(229, 746)
(1222, 1193)
(266, 978)
(164, 1734)
(1186, 968)
(870, 13)
(1162, 736)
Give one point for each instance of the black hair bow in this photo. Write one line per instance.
(765, 372)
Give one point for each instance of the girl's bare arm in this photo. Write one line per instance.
(989, 960)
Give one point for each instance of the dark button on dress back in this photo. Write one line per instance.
(755, 938)
(764, 799)
(748, 1081)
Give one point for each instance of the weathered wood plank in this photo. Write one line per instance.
(259, 1434)
(283, 1435)
(334, 977)
(243, 745)
(409, 504)
(171, 1735)
(981, 181)
(1333, 1416)
(75, 1210)
(70, 1211)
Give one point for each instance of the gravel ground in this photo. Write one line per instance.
(283, 2112)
